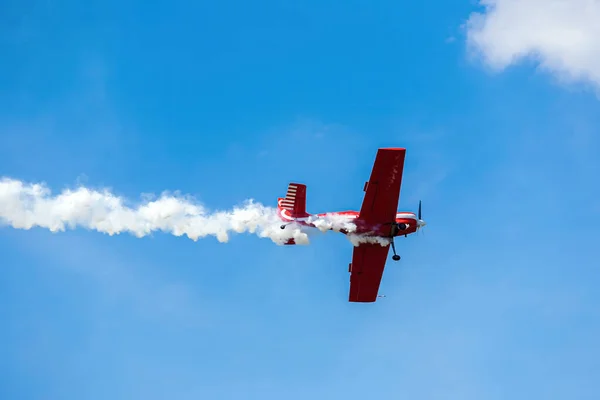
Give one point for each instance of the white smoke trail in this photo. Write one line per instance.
(356, 240)
(333, 222)
(26, 205)
(342, 222)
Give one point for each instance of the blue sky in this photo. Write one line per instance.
(497, 299)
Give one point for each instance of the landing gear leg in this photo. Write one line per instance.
(395, 257)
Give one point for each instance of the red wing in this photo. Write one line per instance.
(366, 270)
(383, 188)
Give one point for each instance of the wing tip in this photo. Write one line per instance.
(357, 299)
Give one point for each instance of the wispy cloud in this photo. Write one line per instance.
(563, 36)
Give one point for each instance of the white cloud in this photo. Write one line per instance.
(563, 36)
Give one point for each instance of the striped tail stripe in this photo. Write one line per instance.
(295, 199)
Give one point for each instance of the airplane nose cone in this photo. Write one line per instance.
(422, 223)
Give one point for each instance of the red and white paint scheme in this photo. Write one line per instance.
(378, 217)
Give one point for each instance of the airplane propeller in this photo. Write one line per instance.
(420, 222)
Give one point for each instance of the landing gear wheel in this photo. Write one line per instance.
(395, 257)
(282, 226)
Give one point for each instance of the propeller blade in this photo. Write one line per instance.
(419, 216)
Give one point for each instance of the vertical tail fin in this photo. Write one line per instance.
(294, 200)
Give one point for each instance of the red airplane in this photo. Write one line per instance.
(378, 217)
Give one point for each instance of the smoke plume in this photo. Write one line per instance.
(26, 205)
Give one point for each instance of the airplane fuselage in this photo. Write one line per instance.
(406, 222)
